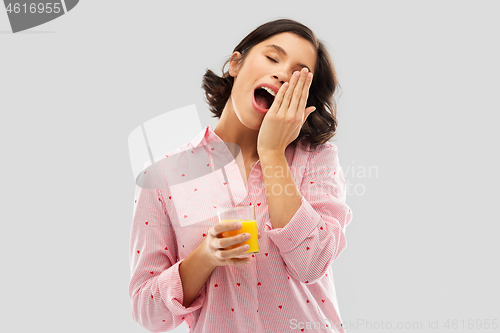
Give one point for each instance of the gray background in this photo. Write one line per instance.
(420, 81)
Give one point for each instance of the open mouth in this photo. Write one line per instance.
(263, 98)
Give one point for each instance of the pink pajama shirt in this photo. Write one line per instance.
(287, 288)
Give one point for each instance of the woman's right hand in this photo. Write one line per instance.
(213, 246)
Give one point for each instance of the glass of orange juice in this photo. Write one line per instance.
(245, 215)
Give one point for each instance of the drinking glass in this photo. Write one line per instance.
(245, 215)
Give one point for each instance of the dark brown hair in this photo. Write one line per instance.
(320, 126)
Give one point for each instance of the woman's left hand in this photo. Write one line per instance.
(287, 114)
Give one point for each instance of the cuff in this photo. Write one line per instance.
(170, 286)
(302, 224)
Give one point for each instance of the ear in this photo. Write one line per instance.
(234, 64)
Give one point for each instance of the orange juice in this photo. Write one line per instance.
(249, 226)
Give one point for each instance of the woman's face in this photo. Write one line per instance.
(265, 64)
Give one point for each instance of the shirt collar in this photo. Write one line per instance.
(208, 135)
(205, 136)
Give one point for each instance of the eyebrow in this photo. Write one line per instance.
(282, 51)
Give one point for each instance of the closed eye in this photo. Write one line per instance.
(271, 59)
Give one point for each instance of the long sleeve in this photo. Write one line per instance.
(155, 287)
(315, 236)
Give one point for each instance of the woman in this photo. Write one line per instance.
(292, 176)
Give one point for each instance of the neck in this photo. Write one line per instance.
(230, 129)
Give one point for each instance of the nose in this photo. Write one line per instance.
(282, 76)
(278, 78)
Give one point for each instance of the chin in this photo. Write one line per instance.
(250, 119)
(252, 124)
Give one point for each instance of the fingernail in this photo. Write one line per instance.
(296, 74)
(238, 225)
